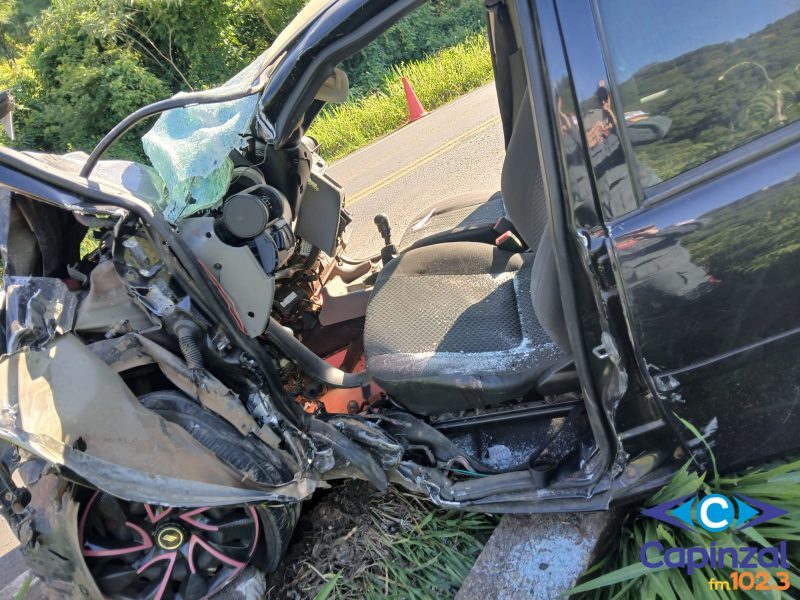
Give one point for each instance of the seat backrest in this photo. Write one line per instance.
(521, 179)
(526, 205)
(546, 292)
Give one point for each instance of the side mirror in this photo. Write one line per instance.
(336, 87)
(6, 112)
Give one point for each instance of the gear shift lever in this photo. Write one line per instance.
(389, 250)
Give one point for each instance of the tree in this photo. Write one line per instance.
(89, 63)
(83, 65)
(16, 18)
(6, 12)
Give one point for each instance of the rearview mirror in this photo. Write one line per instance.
(6, 112)
(336, 87)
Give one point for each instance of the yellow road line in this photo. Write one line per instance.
(419, 162)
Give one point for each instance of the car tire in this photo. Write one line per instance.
(50, 542)
(50, 533)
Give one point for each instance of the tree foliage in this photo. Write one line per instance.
(76, 67)
(88, 63)
(15, 21)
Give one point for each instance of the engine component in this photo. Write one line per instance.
(245, 216)
(261, 216)
(186, 331)
(290, 301)
(237, 270)
(253, 236)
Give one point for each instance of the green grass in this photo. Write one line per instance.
(417, 551)
(393, 545)
(624, 577)
(437, 79)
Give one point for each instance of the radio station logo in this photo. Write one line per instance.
(716, 514)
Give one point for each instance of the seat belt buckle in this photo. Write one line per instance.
(509, 242)
(502, 225)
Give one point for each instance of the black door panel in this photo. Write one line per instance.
(717, 268)
(712, 286)
(704, 109)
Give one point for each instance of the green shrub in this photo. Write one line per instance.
(81, 66)
(86, 64)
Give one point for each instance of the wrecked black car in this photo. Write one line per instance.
(173, 395)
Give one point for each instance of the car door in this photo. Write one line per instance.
(691, 117)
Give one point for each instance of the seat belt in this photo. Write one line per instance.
(502, 46)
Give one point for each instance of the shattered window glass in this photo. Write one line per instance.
(189, 148)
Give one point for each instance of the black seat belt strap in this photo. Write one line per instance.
(502, 44)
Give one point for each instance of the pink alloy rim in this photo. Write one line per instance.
(121, 544)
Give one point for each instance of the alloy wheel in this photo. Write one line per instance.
(141, 551)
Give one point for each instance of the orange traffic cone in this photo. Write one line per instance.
(415, 108)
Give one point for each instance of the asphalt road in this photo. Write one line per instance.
(454, 149)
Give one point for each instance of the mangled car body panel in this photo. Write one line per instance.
(210, 351)
(64, 404)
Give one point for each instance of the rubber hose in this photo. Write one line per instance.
(192, 354)
(310, 362)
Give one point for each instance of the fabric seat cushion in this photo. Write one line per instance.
(468, 217)
(452, 327)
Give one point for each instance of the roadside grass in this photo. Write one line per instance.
(622, 576)
(437, 80)
(359, 543)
